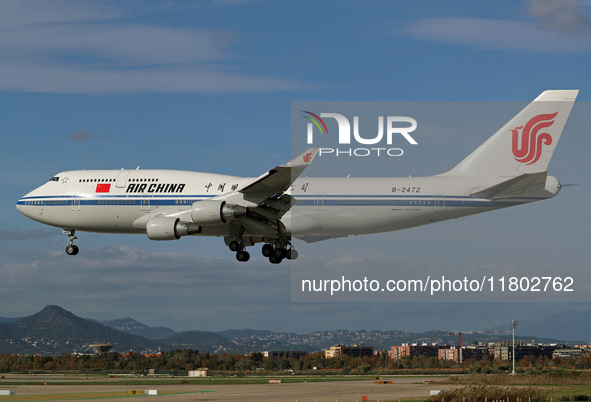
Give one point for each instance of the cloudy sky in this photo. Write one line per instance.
(207, 85)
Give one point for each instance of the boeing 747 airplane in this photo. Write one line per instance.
(508, 169)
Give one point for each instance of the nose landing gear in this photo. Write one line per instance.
(71, 249)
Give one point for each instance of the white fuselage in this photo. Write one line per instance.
(122, 201)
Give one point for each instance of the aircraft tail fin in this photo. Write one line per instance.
(526, 143)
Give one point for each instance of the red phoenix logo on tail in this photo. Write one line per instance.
(308, 157)
(528, 149)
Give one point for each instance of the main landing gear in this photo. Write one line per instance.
(71, 249)
(241, 254)
(275, 254)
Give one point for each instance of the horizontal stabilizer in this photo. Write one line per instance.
(525, 183)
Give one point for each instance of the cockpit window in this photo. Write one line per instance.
(55, 178)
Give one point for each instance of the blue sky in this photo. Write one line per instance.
(208, 85)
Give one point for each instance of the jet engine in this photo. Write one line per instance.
(210, 212)
(163, 228)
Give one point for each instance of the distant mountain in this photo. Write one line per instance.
(204, 341)
(322, 340)
(380, 340)
(244, 333)
(131, 326)
(54, 330)
(2, 319)
(568, 325)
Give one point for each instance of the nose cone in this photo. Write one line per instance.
(20, 206)
(25, 207)
(31, 204)
(35, 204)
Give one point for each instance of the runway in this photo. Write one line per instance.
(402, 388)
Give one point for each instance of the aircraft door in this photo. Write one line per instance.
(145, 204)
(75, 204)
(440, 203)
(318, 202)
(122, 179)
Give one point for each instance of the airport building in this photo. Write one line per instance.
(497, 350)
(449, 354)
(354, 351)
(476, 352)
(504, 350)
(567, 353)
(101, 347)
(200, 372)
(285, 353)
(406, 349)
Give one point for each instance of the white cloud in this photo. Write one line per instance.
(79, 47)
(115, 277)
(20, 234)
(496, 34)
(88, 136)
(563, 16)
(18, 14)
(67, 79)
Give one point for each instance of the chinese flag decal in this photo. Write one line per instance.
(103, 187)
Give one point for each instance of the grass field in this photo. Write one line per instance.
(545, 386)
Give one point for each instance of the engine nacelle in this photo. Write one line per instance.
(211, 212)
(163, 228)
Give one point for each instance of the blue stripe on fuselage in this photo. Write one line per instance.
(302, 200)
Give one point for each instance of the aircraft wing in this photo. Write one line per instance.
(268, 192)
(278, 179)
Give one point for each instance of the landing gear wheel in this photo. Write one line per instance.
(279, 253)
(243, 256)
(234, 245)
(273, 259)
(291, 254)
(71, 249)
(267, 250)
